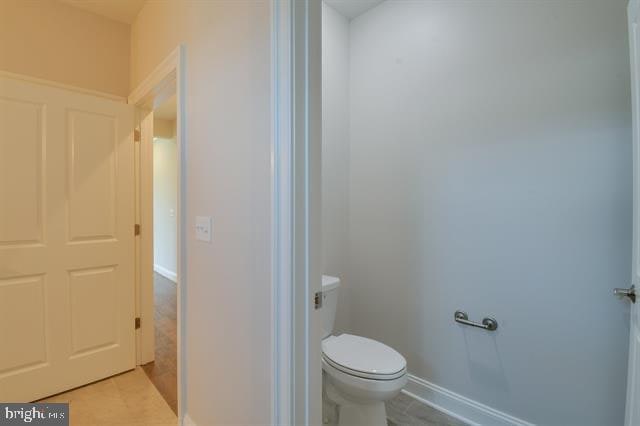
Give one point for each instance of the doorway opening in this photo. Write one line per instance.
(160, 280)
(162, 371)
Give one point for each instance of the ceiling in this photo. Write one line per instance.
(352, 8)
(119, 10)
(126, 10)
(168, 110)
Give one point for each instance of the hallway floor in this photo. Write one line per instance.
(163, 372)
(126, 399)
(146, 396)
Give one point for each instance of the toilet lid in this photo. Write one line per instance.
(362, 355)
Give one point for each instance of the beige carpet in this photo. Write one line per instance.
(127, 399)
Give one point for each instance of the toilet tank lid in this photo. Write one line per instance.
(329, 282)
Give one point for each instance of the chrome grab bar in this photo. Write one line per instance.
(487, 323)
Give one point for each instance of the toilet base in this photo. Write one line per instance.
(362, 415)
(355, 413)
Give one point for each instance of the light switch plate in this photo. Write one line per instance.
(203, 228)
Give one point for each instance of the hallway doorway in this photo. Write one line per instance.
(163, 371)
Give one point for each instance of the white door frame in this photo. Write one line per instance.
(296, 217)
(165, 80)
(631, 407)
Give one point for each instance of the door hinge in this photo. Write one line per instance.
(137, 323)
(136, 135)
(626, 292)
(317, 300)
(136, 229)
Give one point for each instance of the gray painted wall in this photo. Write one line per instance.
(335, 154)
(490, 171)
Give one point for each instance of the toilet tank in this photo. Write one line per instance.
(330, 287)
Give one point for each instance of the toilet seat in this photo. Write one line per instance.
(361, 357)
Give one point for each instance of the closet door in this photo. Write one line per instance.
(66, 239)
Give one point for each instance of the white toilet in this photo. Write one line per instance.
(358, 374)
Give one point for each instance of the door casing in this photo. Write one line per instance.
(164, 81)
(632, 411)
(296, 210)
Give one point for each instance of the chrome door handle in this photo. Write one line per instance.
(626, 292)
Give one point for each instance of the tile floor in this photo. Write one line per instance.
(126, 399)
(406, 411)
(163, 371)
(401, 411)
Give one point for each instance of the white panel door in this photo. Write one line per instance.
(66, 239)
(632, 417)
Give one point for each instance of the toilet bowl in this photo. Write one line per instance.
(358, 374)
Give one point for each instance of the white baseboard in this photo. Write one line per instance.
(458, 406)
(186, 421)
(170, 275)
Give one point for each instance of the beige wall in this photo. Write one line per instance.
(50, 40)
(165, 129)
(228, 293)
(165, 197)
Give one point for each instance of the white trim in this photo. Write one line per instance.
(50, 83)
(187, 421)
(631, 401)
(458, 406)
(167, 273)
(144, 248)
(296, 245)
(295, 188)
(632, 11)
(165, 73)
(281, 212)
(181, 219)
(306, 108)
(156, 87)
